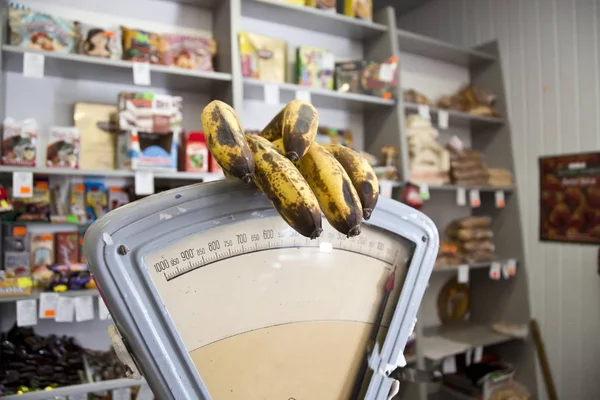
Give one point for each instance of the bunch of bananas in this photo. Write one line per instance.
(301, 178)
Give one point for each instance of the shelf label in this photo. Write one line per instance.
(271, 94)
(26, 312)
(424, 191)
(48, 303)
(495, 270)
(386, 72)
(65, 309)
(22, 184)
(500, 202)
(449, 365)
(121, 394)
(145, 393)
(424, 111)
(303, 95)
(468, 357)
(33, 65)
(477, 354)
(463, 274)
(144, 183)
(461, 196)
(141, 73)
(443, 119)
(474, 197)
(385, 188)
(509, 268)
(103, 312)
(84, 308)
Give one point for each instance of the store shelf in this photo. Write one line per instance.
(482, 189)
(432, 48)
(210, 4)
(471, 266)
(35, 294)
(117, 173)
(77, 66)
(320, 98)
(311, 19)
(77, 389)
(460, 119)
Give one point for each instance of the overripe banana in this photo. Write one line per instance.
(334, 190)
(361, 174)
(285, 187)
(226, 140)
(297, 124)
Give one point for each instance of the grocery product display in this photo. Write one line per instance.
(429, 160)
(470, 99)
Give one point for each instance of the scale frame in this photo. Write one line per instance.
(116, 244)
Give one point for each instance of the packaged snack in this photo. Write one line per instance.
(348, 76)
(141, 46)
(16, 252)
(117, 197)
(36, 207)
(77, 201)
(59, 198)
(96, 200)
(362, 9)
(334, 136)
(189, 52)
(315, 67)
(380, 79)
(149, 112)
(42, 257)
(194, 157)
(19, 139)
(63, 147)
(326, 5)
(263, 57)
(34, 30)
(66, 248)
(99, 42)
(97, 147)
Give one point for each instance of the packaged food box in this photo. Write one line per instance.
(96, 200)
(362, 9)
(117, 197)
(189, 52)
(63, 147)
(66, 248)
(194, 157)
(315, 67)
(19, 140)
(97, 141)
(16, 252)
(36, 207)
(263, 57)
(97, 41)
(325, 5)
(149, 112)
(348, 76)
(141, 46)
(334, 136)
(380, 79)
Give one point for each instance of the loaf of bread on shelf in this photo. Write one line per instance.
(464, 234)
(473, 222)
(413, 96)
(467, 167)
(472, 246)
(429, 161)
(448, 254)
(471, 99)
(500, 177)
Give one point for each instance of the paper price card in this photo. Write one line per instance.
(26, 312)
(65, 309)
(474, 197)
(271, 94)
(103, 312)
(509, 268)
(449, 365)
(48, 303)
(424, 192)
(478, 354)
(443, 119)
(461, 197)
(424, 111)
(468, 357)
(33, 65)
(145, 393)
(303, 95)
(84, 308)
(144, 183)
(386, 72)
(22, 184)
(463, 274)
(499, 196)
(141, 73)
(121, 394)
(385, 188)
(495, 271)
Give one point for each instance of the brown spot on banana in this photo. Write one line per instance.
(300, 124)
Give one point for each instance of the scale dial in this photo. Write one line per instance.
(268, 314)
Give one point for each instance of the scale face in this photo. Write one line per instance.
(218, 298)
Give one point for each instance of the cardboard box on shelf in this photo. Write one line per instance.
(97, 135)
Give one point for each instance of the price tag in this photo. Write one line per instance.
(509, 268)
(461, 196)
(463, 274)
(141, 73)
(327, 61)
(144, 183)
(22, 184)
(424, 111)
(103, 312)
(424, 192)
(84, 308)
(474, 197)
(271, 94)
(121, 394)
(385, 188)
(477, 354)
(468, 357)
(33, 65)
(303, 95)
(48, 303)
(443, 119)
(145, 393)
(449, 365)
(495, 270)
(26, 312)
(500, 202)
(65, 309)
(386, 72)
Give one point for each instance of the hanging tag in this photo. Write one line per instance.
(84, 308)
(303, 95)
(474, 197)
(22, 184)
(141, 73)
(26, 312)
(477, 354)
(461, 196)
(468, 357)
(103, 312)
(424, 111)
(271, 94)
(495, 270)
(386, 72)
(509, 268)
(121, 394)
(33, 65)
(463, 274)
(443, 119)
(386, 188)
(65, 309)
(144, 183)
(48, 303)
(145, 393)
(449, 365)
(500, 203)
(424, 191)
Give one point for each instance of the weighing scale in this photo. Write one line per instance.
(214, 296)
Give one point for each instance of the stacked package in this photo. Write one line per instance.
(429, 160)
(467, 168)
(499, 177)
(473, 237)
(448, 255)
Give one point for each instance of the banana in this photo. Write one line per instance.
(285, 187)
(361, 174)
(332, 186)
(297, 124)
(226, 140)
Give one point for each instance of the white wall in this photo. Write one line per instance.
(550, 51)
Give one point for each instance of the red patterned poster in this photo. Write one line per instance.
(570, 198)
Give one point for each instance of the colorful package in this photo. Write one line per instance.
(326, 5)
(362, 9)
(188, 52)
(99, 42)
(194, 153)
(141, 46)
(63, 147)
(34, 30)
(96, 200)
(263, 57)
(19, 139)
(66, 248)
(348, 76)
(315, 67)
(117, 197)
